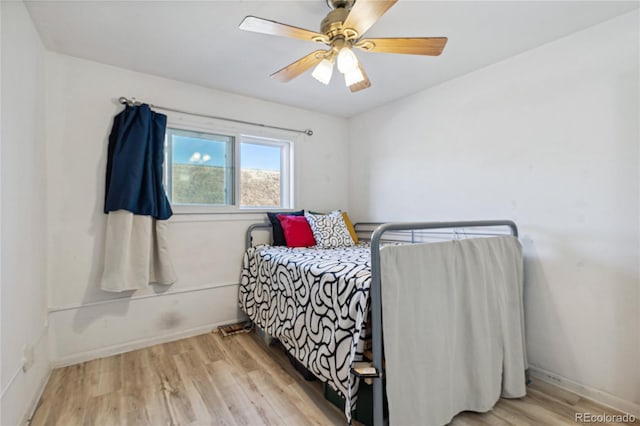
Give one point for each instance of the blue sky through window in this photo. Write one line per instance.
(263, 157)
(209, 152)
(206, 152)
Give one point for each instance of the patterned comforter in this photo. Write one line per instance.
(315, 302)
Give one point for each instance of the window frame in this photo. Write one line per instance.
(286, 170)
(238, 136)
(230, 175)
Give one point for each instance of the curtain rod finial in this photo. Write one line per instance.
(308, 132)
(130, 102)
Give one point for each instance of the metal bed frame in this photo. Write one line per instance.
(375, 289)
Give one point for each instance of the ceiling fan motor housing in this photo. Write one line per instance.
(336, 4)
(332, 24)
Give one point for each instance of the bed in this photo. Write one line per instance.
(316, 301)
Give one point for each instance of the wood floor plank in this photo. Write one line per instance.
(239, 380)
(529, 410)
(208, 347)
(73, 398)
(510, 413)
(274, 391)
(103, 410)
(213, 401)
(139, 418)
(134, 408)
(554, 392)
(264, 360)
(199, 391)
(490, 418)
(267, 414)
(177, 399)
(511, 417)
(153, 406)
(566, 403)
(235, 352)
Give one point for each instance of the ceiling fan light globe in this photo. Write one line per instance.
(353, 77)
(323, 71)
(347, 60)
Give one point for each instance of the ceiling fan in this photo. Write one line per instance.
(342, 30)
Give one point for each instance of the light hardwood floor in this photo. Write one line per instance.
(236, 380)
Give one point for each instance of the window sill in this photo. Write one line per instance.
(206, 210)
(212, 214)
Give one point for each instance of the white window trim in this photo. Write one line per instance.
(286, 172)
(240, 134)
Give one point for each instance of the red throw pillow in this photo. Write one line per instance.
(297, 232)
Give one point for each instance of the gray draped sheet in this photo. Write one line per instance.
(453, 323)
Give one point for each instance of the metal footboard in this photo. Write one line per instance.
(375, 291)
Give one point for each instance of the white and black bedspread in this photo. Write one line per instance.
(315, 302)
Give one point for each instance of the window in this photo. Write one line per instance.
(201, 169)
(227, 172)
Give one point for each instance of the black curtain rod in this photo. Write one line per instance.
(134, 102)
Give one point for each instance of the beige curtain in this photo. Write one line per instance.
(136, 252)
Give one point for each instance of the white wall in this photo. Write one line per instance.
(550, 139)
(23, 249)
(81, 104)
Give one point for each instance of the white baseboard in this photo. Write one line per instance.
(137, 344)
(588, 392)
(23, 390)
(36, 398)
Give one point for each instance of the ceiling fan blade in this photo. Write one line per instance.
(431, 46)
(364, 84)
(293, 70)
(265, 26)
(365, 13)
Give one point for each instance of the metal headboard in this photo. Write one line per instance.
(249, 235)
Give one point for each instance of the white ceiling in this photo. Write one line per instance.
(199, 42)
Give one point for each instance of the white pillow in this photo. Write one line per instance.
(329, 230)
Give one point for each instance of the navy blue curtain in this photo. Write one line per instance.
(134, 163)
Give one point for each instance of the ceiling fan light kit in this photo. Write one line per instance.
(323, 71)
(352, 77)
(347, 60)
(342, 30)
